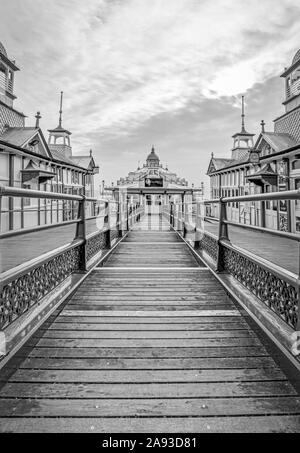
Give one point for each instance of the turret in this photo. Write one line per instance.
(59, 138)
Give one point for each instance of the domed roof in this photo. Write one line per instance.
(2, 49)
(296, 57)
(153, 155)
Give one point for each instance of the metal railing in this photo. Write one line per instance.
(27, 284)
(275, 286)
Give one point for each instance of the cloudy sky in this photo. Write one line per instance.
(143, 72)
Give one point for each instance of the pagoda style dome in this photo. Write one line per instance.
(2, 49)
(296, 57)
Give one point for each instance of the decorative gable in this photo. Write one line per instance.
(211, 167)
(37, 144)
(265, 148)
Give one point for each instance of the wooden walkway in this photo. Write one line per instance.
(148, 343)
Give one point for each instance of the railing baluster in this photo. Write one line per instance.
(223, 233)
(198, 225)
(108, 226)
(81, 232)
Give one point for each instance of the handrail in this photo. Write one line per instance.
(16, 272)
(35, 229)
(283, 234)
(9, 191)
(18, 192)
(284, 195)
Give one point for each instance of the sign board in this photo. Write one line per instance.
(154, 182)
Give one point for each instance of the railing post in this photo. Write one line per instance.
(175, 225)
(223, 234)
(198, 225)
(298, 313)
(298, 291)
(107, 222)
(127, 219)
(133, 214)
(119, 216)
(171, 213)
(1, 195)
(81, 232)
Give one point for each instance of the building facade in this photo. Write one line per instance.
(276, 169)
(152, 175)
(28, 160)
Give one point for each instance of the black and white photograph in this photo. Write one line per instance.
(149, 220)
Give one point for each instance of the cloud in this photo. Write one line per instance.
(124, 63)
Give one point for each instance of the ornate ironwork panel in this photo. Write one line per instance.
(114, 234)
(273, 291)
(20, 294)
(210, 246)
(95, 244)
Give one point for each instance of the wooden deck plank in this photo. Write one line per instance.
(195, 407)
(135, 352)
(103, 327)
(126, 391)
(148, 376)
(242, 424)
(159, 314)
(180, 307)
(172, 323)
(120, 363)
(145, 343)
(147, 335)
(216, 299)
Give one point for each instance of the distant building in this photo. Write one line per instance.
(152, 175)
(277, 169)
(28, 161)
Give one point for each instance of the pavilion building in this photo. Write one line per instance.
(28, 160)
(153, 181)
(277, 167)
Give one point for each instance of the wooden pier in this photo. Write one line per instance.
(149, 342)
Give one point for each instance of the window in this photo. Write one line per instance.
(75, 177)
(295, 75)
(2, 79)
(59, 174)
(296, 164)
(297, 186)
(272, 205)
(242, 182)
(27, 200)
(10, 81)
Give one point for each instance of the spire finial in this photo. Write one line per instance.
(153, 149)
(91, 152)
(243, 114)
(38, 117)
(60, 110)
(212, 155)
(262, 126)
